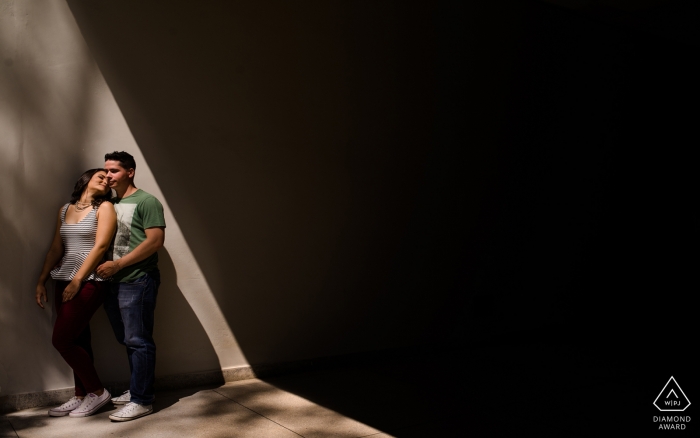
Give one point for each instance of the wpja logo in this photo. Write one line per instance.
(672, 399)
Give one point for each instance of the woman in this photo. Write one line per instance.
(84, 230)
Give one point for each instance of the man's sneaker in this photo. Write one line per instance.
(65, 408)
(131, 411)
(91, 404)
(122, 399)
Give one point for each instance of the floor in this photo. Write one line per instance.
(497, 391)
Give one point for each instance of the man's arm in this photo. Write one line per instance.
(154, 241)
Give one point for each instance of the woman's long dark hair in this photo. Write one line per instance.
(82, 184)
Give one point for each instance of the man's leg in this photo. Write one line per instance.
(137, 303)
(114, 315)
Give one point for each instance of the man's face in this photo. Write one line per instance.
(116, 175)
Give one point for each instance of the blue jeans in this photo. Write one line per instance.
(130, 308)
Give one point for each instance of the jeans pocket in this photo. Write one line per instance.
(141, 280)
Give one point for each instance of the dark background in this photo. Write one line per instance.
(354, 176)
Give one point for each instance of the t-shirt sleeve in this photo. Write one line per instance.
(152, 213)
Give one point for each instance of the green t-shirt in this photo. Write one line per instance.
(135, 214)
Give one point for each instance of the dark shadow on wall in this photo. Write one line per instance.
(183, 345)
(355, 176)
(584, 220)
(290, 142)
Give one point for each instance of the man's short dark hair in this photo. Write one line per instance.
(125, 159)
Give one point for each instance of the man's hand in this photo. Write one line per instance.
(107, 269)
(71, 290)
(41, 295)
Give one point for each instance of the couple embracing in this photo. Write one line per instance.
(104, 252)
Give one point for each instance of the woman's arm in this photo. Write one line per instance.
(50, 261)
(106, 227)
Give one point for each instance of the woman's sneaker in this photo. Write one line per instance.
(122, 399)
(65, 408)
(91, 404)
(131, 411)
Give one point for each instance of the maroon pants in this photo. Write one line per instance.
(71, 333)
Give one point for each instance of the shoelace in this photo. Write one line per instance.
(128, 408)
(90, 400)
(70, 402)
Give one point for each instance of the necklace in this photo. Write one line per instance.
(80, 206)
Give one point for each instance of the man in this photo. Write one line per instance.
(133, 268)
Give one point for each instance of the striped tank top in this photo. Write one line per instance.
(78, 241)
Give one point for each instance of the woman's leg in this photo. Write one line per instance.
(84, 341)
(71, 335)
(59, 331)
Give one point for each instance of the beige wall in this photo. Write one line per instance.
(46, 109)
(290, 141)
(58, 118)
(312, 157)
(342, 176)
(281, 195)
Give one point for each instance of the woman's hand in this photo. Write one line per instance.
(41, 295)
(71, 290)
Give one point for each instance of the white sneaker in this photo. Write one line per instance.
(122, 399)
(91, 404)
(65, 408)
(131, 411)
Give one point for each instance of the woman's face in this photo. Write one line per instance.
(98, 183)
